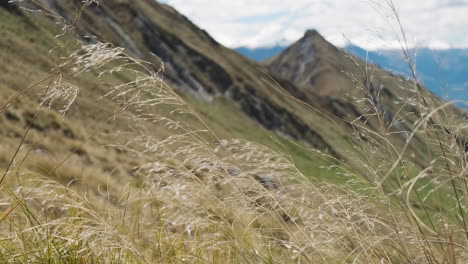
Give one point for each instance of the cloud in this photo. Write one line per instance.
(368, 23)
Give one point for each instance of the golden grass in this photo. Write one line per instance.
(193, 197)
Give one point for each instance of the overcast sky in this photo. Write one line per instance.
(367, 23)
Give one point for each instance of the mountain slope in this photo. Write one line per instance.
(312, 70)
(224, 87)
(194, 62)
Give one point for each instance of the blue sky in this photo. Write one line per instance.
(368, 23)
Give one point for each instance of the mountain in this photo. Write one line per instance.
(228, 90)
(261, 53)
(332, 77)
(441, 71)
(312, 70)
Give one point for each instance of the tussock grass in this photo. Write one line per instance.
(193, 197)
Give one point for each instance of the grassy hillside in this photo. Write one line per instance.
(26, 53)
(111, 156)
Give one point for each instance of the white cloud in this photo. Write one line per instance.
(368, 23)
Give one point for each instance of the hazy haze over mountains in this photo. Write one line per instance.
(444, 72)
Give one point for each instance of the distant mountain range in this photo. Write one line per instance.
(444, 72)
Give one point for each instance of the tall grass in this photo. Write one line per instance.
(197, 198)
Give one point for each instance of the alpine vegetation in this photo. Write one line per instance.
(148, 179)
